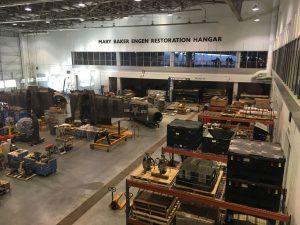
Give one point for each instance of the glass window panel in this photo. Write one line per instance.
(243, 60)
(215, 59)
(133, 58)
(154, 59)
(90, 58)
(114, 56)
(78, 56)
(167, 58)
(97, 56)
(207, 59)
(147, 59)
(262, 59)
(252, 60)
(126, 59)
(108, 58)
(140, 59)
(85, 58)
(102, 58)
(228, 59)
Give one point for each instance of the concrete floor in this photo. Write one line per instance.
(81, 173)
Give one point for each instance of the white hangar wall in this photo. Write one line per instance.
(51, 52)
(287, 131)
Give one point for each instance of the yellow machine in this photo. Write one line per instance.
(181, 109)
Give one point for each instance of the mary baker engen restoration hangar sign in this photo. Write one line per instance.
(160, 40)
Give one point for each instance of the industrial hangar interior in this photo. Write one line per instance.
(160, 112)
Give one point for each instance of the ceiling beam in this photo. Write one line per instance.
(32, 2)
(236, 8)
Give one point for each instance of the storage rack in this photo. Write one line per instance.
(233, 122)
(196, 197)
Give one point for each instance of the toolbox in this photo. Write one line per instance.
(217, 140)
(256, 161)
(257, 195)
(186, 134)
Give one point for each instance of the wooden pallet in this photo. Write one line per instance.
(157, 219)
(20, 176)
(153, 203)
(113, 129)
(140, 175)
(212, 193)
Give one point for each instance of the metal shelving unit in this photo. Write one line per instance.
(196, 197)
(200, 155)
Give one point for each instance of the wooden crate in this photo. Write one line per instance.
(198, 191)
(218, 101)
(155, 208)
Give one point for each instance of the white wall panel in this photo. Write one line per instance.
(53, 51)
(10, 58)
(286, 133)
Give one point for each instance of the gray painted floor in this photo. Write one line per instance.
(46, 201)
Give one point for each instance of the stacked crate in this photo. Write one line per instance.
(255, 174)
(155, 208)
(185, 134)
(198, 174)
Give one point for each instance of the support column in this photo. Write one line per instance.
(119, 85)
(235, 91)
(118, 58)
(172, 59)
(238, 60)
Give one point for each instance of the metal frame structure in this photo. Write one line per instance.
(37, 15)
(202, 199)
(41, 15)
(200, 155)
(196, 197)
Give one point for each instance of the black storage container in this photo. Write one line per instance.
(256, 161)
(257, 195)
(217, 140)
(185, 134)
(260, 132)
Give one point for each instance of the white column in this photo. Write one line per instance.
(119, 85)
(118, 58)
(172, 59)
(235, 90)
(238, 60)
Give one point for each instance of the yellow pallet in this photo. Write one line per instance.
(102, 143)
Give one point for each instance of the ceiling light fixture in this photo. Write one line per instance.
(255, 7)
(125, 17)
(28, 9)
(137, 0)
(170, 14)
(257, 19)
(14, 24)
(80, 4)
(47, 21)
(81, 20)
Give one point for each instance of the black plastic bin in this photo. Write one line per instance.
(217, 140)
